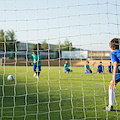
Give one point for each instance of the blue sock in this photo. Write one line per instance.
(38, 73)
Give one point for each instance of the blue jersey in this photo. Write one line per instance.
(110, 68)
(100, 68)
(115, 57)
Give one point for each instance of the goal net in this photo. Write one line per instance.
(61, 31)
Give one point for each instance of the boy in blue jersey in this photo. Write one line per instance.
(110, 68)
(87, 68)
(66, 67)
(36, 63)
(100, 68)
(115, 57)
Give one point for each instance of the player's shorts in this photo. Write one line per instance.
(68, 70)
(35, 66)
(118, 80)
(86, 71)
(110, 71)
(100, 71)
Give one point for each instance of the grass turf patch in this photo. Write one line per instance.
(56, 95)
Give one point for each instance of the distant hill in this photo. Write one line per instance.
(24, 46)
(27, 46)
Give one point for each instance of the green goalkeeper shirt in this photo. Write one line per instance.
(36, 58)
(87, 66)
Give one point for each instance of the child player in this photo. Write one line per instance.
(66, 67)
(100, 68)
(115, 57)
(36, 63)
(87, 68)
(110, 68)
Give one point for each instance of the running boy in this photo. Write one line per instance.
(66, 67)
(36, 63)
(115, 57)
(87, 68)
(100, 68)
(110, 68)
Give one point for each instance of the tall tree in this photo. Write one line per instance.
(59, 46)
(66, 46)
(2, 39)
(11, 40)
(44, 45)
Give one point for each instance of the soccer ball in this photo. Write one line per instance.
(10, 77)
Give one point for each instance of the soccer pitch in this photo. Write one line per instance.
(56, 95)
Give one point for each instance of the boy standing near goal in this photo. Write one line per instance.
(115, 57)
(36, 63)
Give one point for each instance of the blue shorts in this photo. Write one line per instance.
(110, 71)
(35, 66)
(68, 70)
(100, 71)
(118, 80)
(88, 71)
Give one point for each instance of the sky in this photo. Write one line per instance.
(88, 24)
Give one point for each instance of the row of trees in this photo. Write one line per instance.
(40, 46)
(8, 41)
(66, 46)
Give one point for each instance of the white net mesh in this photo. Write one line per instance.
(61, 30)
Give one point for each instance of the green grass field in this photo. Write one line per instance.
(56, 95)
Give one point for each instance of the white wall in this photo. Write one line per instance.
(74, 54)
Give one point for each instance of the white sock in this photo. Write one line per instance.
(111, 96)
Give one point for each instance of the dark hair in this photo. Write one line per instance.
(87, 61)
(100, 61)
(114, 43)
(35, 51)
